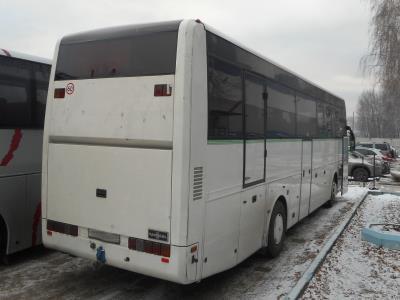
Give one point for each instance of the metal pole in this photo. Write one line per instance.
(374, 188)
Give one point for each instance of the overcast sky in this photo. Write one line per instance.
(322, 40)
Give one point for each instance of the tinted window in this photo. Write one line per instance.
(225, 106)
(383, 147)
(42, 74)
(329, 119)
(129, 51)
(321, 123)
(23, 92)
(306, 117)
(281, 117)
(362, 151)
(367, 145)
(325, 119)
(369, 152)
(255, 115)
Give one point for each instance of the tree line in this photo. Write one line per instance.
(378, 111)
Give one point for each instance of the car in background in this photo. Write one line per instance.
(395, 153)
(379, 157)
(383, 147)
(360, 169)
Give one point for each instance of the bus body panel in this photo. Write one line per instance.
(21, 200)
(181, 134)
(215, 220)
(131, 205)
(114, 108)
(115, 255)
(324, 165)
(20, 151)
(252, 220)
(23, 88)
(221, 226)
(198, 146)
(306, 178)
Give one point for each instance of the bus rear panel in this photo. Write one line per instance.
(110, 149)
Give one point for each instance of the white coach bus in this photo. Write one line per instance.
(24, 81)
(172, 151)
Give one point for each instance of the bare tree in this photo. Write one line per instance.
(370, 118)
(379, 113)
(384, 58)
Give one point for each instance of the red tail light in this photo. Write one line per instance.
(161, 90)
(62, 228)
(149, 247)
(59, 93)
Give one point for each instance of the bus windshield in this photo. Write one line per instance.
(120, 52)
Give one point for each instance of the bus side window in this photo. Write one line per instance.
(225, 105)
(281, 112)
(306, 117)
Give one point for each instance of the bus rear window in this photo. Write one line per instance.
(126, 52)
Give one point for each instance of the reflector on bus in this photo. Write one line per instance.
(62, 228)
(59, 93)
(149, 247)
(161, 90)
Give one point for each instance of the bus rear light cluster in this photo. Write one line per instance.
(59, 93)
(61, 228)
(149, 247)
(161, 90)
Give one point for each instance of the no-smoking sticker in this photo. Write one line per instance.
(70, 88)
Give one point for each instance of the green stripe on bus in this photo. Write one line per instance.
(229, 142)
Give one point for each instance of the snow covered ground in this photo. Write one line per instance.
(357, 269)
(45, 274)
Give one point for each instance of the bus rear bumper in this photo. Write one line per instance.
(172, 269)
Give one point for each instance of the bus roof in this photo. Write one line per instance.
(137, 29)
(14, 54)
(124, 31)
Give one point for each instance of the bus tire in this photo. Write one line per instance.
(277, 230)
(334, 190)
(360, 174)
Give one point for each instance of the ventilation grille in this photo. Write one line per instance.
(197, 183)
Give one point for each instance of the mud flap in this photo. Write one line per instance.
(192, 262)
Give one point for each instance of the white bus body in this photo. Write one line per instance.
(23, 93)
(142, 172)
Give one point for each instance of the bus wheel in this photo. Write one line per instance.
(334, 190)
(360, 174)
(277, 230)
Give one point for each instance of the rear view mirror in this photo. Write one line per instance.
(352, 140)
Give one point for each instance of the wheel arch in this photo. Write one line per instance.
(335, 177)
(360, 167)
(282, 199)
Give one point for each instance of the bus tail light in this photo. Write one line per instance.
(161, 90)
(59, 93)
(61, 228)
(149, 247)
(165, 260)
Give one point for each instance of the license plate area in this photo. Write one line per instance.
(107, 237)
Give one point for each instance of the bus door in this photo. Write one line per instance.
(254, 130)
(306, 170)
(252, 198)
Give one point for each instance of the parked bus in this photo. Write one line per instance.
(24, 81)
(172, 151)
